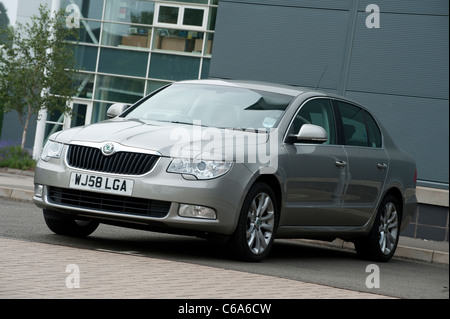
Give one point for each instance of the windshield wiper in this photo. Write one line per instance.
(254, 130)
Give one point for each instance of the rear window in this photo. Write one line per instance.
(359, 127)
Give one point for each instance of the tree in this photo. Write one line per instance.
(37, 67)
(4, 20)
(4, 23)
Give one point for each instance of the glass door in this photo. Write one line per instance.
(81, 114)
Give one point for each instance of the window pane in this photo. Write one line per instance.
(123, 35)
(115, 89)
(373, 129)
(354, 126)
(191, 1)
(178, 40)
(130, 11)
(88, 32)
(154, 85)
(78, 115)
(209, 43)
(168, 15)
(212, 19)
(99, 111)
(86, 57)
(123, 62)
(318, 112)
(55, 116)
(193, 17)
(84, 84)
(205, 68)
(173, 67)
(143, 12)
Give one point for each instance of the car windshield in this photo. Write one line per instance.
(213, 106)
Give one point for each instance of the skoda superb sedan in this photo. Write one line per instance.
(244, 162)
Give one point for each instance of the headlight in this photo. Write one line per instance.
(201, 169)
(51, 150)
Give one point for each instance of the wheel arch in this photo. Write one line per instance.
(397, 194)
(273, 182)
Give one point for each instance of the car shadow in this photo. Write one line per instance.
(186, 248)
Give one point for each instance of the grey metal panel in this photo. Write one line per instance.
(434, 7)
(275, 43)
(323, 4)
(419, 126)
(407, 55)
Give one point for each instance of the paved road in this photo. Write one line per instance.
(290, 259)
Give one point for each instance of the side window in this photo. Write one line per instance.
(318, 112)
(354, 125)
(374, 131)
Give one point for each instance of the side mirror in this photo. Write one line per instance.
(309, 133)
(116, 109)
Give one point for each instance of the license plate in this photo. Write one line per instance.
(104, 184)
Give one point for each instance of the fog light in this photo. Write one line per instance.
(38, 190)
(196, 211)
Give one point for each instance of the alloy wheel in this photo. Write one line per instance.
(388, 229)
(260, 223)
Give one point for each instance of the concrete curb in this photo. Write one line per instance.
(18, 194)
(405, 252)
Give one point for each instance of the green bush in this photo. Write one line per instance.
(15, 157)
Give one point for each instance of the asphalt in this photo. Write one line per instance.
(50, 271)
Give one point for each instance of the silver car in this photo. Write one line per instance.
(239, 161)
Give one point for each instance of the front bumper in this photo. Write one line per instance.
(224, 194)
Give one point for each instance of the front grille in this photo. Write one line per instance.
(124, 163)
(108, 203)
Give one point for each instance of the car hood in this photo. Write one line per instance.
(168, 139)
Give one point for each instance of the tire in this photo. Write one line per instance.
(69, 226)
(381, 242)
(258, 220)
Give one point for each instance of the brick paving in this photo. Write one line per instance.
(30, 270)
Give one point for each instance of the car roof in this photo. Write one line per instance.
(272, 87)
(256, 85)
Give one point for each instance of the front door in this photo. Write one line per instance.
(317, 172)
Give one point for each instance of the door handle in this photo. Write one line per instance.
(382, 165)
(341, 163)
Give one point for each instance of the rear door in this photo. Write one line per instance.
(368, 162)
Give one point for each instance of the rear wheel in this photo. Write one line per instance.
(69, 226)
(255, 233)
(381, 243)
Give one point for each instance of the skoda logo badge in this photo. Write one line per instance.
(108, 149)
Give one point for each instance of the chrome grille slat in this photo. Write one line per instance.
(123, 163)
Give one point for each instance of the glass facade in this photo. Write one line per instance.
(129, 48)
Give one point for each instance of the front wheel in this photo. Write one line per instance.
(69, 226)
(381, 243)
(257, 224)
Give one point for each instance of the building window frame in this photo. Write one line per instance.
(181, 16)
